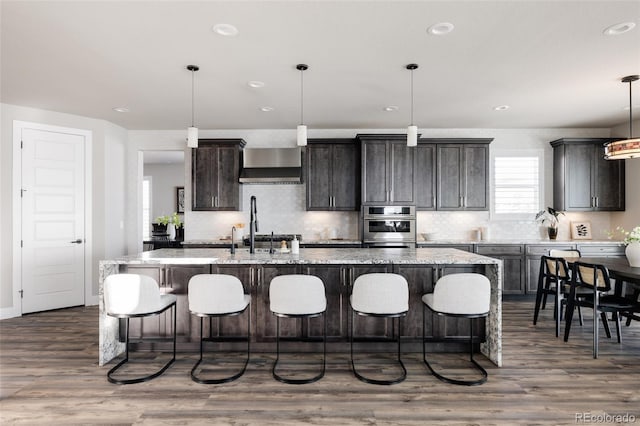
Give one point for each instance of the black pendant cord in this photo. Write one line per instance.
(301, 96)
(411, 97)
(630, 112)
(193, 103)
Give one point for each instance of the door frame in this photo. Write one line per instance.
(18, 127)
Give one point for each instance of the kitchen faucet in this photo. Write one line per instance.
(233, 238)
(253, 225)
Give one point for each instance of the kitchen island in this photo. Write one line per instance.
(338, 268)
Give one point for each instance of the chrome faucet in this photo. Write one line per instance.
(253, 225)
(233, 239)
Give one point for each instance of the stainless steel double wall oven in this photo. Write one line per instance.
(389, 226)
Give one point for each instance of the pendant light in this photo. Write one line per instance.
(302, 129)
(192, 132)
(412, 131)
(625, 148)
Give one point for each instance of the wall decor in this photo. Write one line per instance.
(580, 230)
(180, 199)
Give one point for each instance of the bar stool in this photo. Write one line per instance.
(380, 295)
(129, 296)
(298, 296)
(464, 295)
(215, 296)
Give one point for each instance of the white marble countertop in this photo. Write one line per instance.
(410, 256)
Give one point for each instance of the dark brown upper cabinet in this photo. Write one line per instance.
(583, 180)
(463, 174)
(388, 170)
(425, 183)
(333, 174)
(215, 170)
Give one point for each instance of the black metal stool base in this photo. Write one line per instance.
(324, 354)
(365, 379)
(138, 379)
(199, 379)
(126, 356)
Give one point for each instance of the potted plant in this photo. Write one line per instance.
(160, 225)
(179, 226)
(549, 217)
(632, 241)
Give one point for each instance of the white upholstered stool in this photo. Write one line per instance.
(464, 295)
(381, 295)
(215, 296)
(129, 296)
(298, 296)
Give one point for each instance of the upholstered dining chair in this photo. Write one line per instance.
(216, 296)
(129, 296)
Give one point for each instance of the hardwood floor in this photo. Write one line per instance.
(49, 375)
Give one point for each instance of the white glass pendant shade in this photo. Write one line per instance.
(192, 137)
(412, 136)
(302, 135)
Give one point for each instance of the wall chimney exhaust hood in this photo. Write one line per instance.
(271, 165)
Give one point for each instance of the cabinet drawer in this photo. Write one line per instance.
(464, 247)
(539, 250)
(601, 250)
(499, 249)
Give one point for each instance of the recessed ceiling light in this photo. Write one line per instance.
(121, 109)
(226, 30)
(441, 28)
(266, 109)
(501, 108)
(255, 84)
(620, 28)
(391, 108)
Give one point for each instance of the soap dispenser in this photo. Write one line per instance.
(295, 245)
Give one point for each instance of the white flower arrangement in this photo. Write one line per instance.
(632, 236)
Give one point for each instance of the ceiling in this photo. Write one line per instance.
(548, 60)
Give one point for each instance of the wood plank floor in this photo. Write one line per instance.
(49, 375)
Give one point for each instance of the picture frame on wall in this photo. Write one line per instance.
(180, 199)
(580, 230)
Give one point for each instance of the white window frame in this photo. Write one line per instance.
(501, 153)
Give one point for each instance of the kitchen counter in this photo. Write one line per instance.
(433, 261)
(519, 241)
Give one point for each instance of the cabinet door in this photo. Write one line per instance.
(337, 294)
(374, 173)
(345, 174)
(420, 280)
(319, 177)
(449, 194)
(475, 173)
(205, 178)
(579, 176)
(425, 183)
(228, 187)
(608, 183)
(401, 163)
(265, 329)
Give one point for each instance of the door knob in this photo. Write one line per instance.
(78, 241)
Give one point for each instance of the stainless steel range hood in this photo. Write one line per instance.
(271, 165)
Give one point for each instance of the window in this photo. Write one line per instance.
(517, 185)
(146, 207)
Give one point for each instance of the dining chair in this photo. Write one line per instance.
(595, 277)
(553, 280)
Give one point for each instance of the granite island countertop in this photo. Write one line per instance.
(335, 256)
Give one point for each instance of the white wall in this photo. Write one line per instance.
(282, 208)
(106, 171)
(630, 218)
(164, 180)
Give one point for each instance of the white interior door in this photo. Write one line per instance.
(53, 246)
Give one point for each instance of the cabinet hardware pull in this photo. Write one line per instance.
(597, 202)
(461, 201)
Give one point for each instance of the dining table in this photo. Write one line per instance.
(619, 270)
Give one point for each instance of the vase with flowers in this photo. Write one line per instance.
(549, 217)
(178, 226)
(631, 239)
